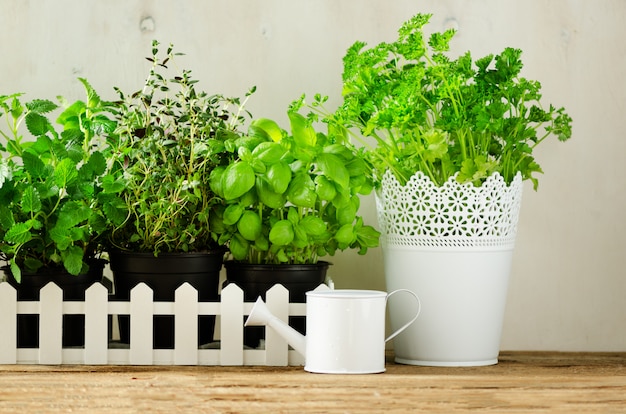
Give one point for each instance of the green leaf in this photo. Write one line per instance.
(93, 99)
(30, 201)
(65, 173)
(436, 144)
(73, 260)
(232, 214)
(238, 247)
(237, 179)
(63, 238)
(17, 109)
(15, 270)
(19, 233)
(98, 222)
(70, 117)
(345, 236)
(115, 210)
(269, 152)
(33, 165)
(102, 125)
(281, 233)
(96, 164)
(6, 217)
(41, 106)
(325, 188)
(112, 184)
(302, 132)
(215, 180)
(347, 214)
(71, 214)
(313, 225)
(267, 195)
(334, 169)
(249, 225)
(368, 236)
(268, 128)
(279, 177)
(37, 124)
(301, 191)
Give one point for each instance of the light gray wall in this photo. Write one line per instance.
(568, 282)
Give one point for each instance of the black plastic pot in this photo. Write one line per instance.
(255, 280)
(73, 290)
(164, 274)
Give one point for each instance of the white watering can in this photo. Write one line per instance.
(345, 330)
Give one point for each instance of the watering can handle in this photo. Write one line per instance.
(406, 325)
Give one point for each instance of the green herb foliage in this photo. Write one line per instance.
(170, 138)
(53, 199)
(429, 112)
(292, 197)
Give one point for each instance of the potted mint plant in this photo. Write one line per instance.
(170, 136)
(450, 140)
(291, 198)
(55, 194)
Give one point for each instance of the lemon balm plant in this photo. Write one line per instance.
(55, 186)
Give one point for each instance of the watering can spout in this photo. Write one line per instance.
(260, 315)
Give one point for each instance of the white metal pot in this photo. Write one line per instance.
(453, 246)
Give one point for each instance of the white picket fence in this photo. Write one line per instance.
(186, 308)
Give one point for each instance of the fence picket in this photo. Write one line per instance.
(276, 346)
(96, 317)
(231, 333)
(141, 325)
(51, 324)
(186, 325)
(8, 324)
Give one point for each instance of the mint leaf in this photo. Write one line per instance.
(65, 173)
(19, 233)
(33, 165)
(30, 201)
(15, 271)
(73, 260)
(71, 214)
(37, 124)
(115, 210)
(70, 117)
(41, 106)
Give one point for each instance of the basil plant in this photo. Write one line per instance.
(292, 197)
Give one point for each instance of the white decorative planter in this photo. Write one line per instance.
(452, 245)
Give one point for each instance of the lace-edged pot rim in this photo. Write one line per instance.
(453, 215)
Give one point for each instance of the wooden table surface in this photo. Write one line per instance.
(521, 382)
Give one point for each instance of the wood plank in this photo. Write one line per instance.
(522, 382)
